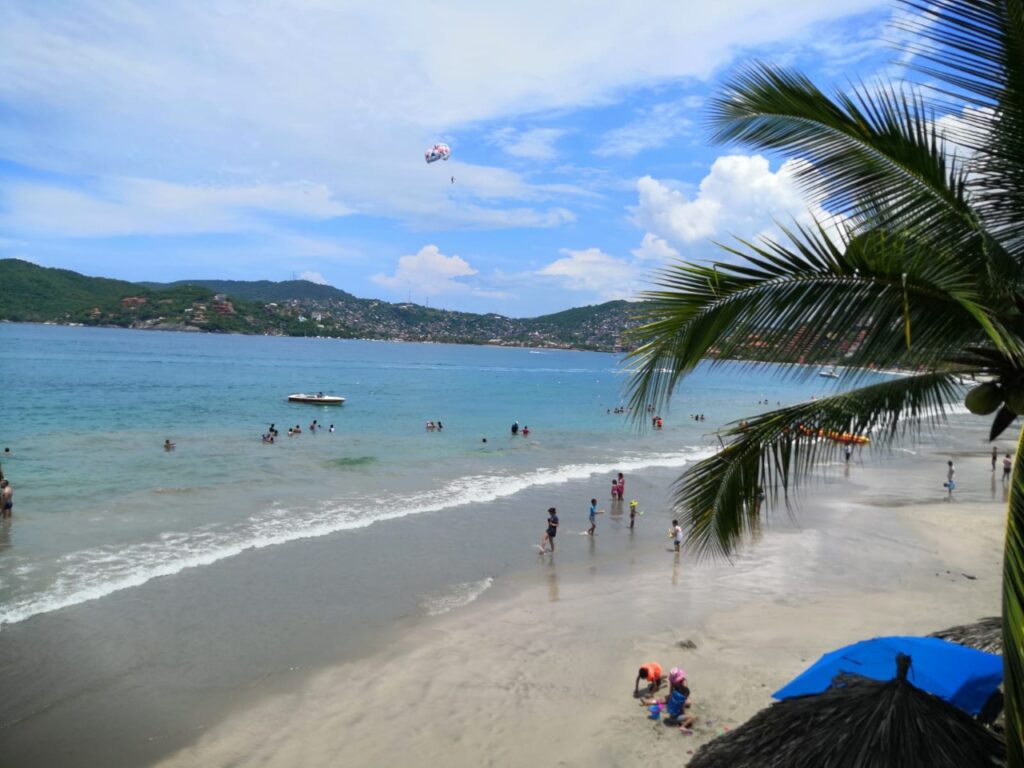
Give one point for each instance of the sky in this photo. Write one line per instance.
(275, 140)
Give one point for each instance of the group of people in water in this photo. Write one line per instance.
(547, 543)
(517, 431)
(432, 425)
(271, 434)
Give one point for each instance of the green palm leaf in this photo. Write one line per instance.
(777, 451)
(875, 153)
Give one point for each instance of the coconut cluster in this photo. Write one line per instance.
(986, 398)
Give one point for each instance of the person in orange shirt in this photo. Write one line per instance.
(651, 672)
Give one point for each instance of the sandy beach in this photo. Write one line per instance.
(543, 675)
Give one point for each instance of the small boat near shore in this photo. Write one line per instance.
(829, 373)
(317, 399)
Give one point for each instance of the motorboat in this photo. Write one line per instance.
(829, 373)
(316, 399)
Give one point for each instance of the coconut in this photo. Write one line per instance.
(985, 398)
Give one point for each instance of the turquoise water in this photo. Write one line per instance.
(101, 507)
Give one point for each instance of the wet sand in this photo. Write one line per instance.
(541, 673)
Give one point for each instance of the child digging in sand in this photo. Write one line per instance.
(676, 702)
(651, 672)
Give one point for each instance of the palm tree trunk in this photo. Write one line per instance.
(1013, 614)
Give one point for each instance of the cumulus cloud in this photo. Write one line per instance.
(313, 277)
(740, 197)
(429, 271)
(654, 127)
(593, 271)
(536, 143)
(655, 249)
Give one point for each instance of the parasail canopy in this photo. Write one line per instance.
(438, 152)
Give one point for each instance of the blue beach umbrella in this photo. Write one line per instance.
(963, 676)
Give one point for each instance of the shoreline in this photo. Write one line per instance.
(542, 673)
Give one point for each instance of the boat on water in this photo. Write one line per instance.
(316, 399)
(829, 373)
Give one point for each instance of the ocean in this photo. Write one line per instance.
(229, 566)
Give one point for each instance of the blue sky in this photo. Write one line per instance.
(165, 141)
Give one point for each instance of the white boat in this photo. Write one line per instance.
(829, 373)
(318, 399)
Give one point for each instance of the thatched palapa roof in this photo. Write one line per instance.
(858, 723)
(985, 635)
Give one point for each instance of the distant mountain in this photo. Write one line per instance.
(263, 290)
(29, 293)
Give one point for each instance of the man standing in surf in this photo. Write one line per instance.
(549, 535)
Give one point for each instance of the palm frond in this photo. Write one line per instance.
(1013, 612)
(975, 50)
(876, 150)
(796, 302)
(776, 451)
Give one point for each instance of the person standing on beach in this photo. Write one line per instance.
(995, 455)
(632, 514)
(552, 531)
(1007, 467)
(950, 483)
(593, 517)
(621, 487)
(677, 534)
(6, 498)
(846, 452)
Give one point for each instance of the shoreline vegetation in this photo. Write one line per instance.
(30, 293)
(298, 308)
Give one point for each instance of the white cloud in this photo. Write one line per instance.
(536, 143)
(313, 277)
(126, 206)
(429, 271)
(339, 94)
(593, 271)
(740, 197)
(654, 127)
(654, 248)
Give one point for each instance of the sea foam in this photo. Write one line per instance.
(94, 573)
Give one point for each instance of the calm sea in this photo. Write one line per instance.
(101, 506)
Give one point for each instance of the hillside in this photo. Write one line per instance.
(29, 293)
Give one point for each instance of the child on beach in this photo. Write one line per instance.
(593, 517)
(677, 701)
(677, 534)
(1007, 467)
(615, 489)
(651, 672)
(552, 530)
(950, 484)
(632, 513)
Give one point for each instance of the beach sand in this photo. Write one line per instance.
(543, 675)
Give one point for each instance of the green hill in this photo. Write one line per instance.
(29, 293)
(263, 290)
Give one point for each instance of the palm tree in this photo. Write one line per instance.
(928, 265)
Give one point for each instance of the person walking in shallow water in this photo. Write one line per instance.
(1007, 467)
(552, 530)
(950, 483)
(593, 517)
(6, 498)
(995, 455)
